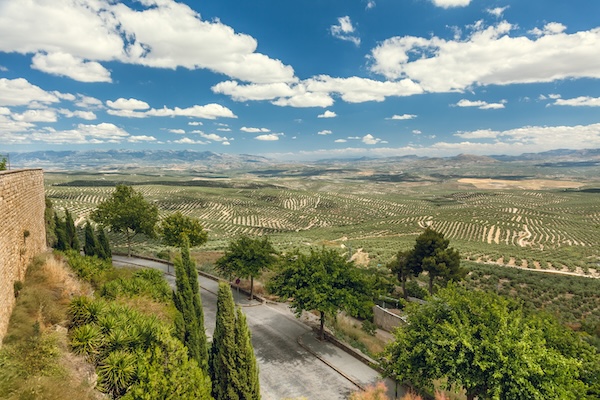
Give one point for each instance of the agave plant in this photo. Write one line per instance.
(84, 310)
(116, 373)
(87, 340)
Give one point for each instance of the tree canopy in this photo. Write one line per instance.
(485, 344)
(432, 254)
(174, 227)
(324, 281)
(126, 211)
(247, 257)
(403, 269)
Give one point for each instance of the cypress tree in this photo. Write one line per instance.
(222, 359)
(189, 327)
(90, 245)
(249, 386)
(61, 235)
(71, 231)
(192, 275)
(103, 250)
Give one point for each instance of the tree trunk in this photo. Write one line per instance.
(471, 396)
(128, 243)
(404, 288)
(322, 331)
(430, 284)
(251, 287)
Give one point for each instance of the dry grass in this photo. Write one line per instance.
(58, 275)
(351, 330)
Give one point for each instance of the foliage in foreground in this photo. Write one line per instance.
(485, 344)
(177, 226)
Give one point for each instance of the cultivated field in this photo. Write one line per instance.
(535, 224)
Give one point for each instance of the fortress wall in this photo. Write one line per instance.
(22, 231)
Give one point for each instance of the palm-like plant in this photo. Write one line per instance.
(116, 373)
(87, 340)
(84, 310)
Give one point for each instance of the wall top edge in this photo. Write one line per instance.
(15, 171)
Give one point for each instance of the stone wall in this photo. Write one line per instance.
(22, 231)
(386, 319)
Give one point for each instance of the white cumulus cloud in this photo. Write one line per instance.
(344, 30)
(581, 101)
(402, 117)
(482, 105)
(451, 3)
(253, 130)
(325, 132)
(64, 64)
(327, 114)
(19, 92)
(128, 104)
(269, 137)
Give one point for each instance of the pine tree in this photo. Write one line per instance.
(249, 386)
(61, 234)
(189, 323)
(222, 359)
(103, 245)
(71, 231)
(90, 245)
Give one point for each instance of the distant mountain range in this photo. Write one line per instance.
(94, 159)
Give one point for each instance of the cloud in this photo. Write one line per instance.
(46, 115)
(187, 140)
(482, 105)
(498, 11)
(268, 137)
(195, 123)
(581, 101)
(87, 115)
(416, 132)
(451, 3)
(214, 137)
(177, 131)
(63, 64)
(19, 92)
(488, 56)
(3, 68)
(254, 130)
(370, 139)
(344, 29)
(552, 28)
(209, 111)
(340, 141)
(255, 92)
(306, 99)
(158, 34)
(370, 4)
(325, 132)
(141, 138)
(402, 117)
(88, 102)
(224, 129)
(128, 104)
(327, 114)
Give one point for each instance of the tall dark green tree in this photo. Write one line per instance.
(247, 257)
(249, 386)
(432, 254)
(174, 227)
(127, 211)
(189, 323)
(50, 222)
(104, 250)
(71, 231)
(90, 245)
(61, 234)
(222, 362)
(403, 269)
(324, 281)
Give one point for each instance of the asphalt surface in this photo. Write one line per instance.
(292, 362)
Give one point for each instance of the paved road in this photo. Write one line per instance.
(287, 369)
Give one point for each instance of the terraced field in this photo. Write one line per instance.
(536, 229)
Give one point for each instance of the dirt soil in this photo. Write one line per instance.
(530, 184)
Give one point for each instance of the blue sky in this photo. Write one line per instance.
(300, 79)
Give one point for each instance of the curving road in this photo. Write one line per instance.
(287, 370)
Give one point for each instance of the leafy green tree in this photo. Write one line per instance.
(50, 223)
(432, 254)
(104, 250)
(222, 362)
(403, 269)
(127, 211)
(71, 232)
(248, 382)
(247, 257)
(324, 281)
(177, 225)
(61, 234)
(484, 344)
(90, 244)
(189, 323)
(3, 163)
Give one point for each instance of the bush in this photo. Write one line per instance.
(369, 327)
